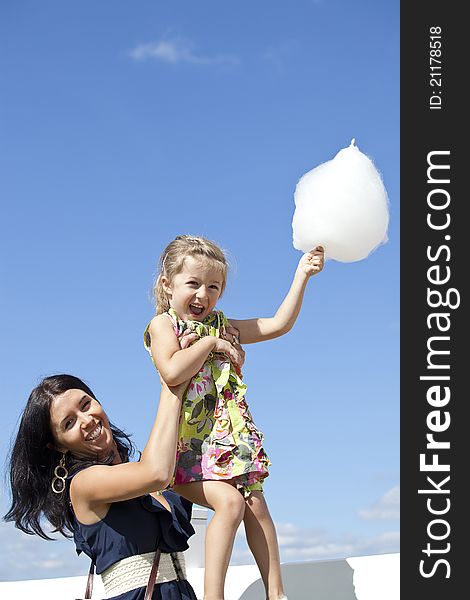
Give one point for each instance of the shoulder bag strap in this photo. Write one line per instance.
(89, 582)
(152, 576)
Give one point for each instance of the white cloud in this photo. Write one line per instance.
(385, 509)
(29, 557)
(176, 50)
(298, 544)
(25, 556)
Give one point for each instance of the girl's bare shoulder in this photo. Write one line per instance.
(159, 323)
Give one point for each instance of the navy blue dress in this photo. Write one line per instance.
(138, 526)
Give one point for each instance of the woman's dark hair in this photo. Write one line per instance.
(32, 462)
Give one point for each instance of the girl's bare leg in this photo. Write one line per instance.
(229, 507)
(262, 540)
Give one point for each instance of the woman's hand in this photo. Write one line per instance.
(312, 262)
(233, 351)
(187, 338)
(232, 335)
(228, 344)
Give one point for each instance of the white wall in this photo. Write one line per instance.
(358, 578)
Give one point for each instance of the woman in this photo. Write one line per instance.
(70, 465)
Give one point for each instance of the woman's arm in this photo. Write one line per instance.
(176, 365)
(98, 486)
(261, 329)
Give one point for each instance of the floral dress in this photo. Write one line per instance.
(217, 437)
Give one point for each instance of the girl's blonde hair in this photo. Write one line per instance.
(172, 259)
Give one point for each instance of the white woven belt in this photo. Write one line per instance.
(133, 572)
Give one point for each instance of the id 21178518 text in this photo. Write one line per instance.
(435, 67)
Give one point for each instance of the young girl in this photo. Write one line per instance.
(221, 462)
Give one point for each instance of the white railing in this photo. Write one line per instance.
(373, 577)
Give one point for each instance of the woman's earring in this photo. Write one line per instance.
(60, 475)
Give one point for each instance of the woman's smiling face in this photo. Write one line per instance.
(80, 425)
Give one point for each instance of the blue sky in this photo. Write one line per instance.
(125, 124)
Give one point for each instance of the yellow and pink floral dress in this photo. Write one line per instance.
(217, 437)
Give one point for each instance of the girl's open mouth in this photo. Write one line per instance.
(195, 310)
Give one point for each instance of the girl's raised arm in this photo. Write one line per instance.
(268, 328)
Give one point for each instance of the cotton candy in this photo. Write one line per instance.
(341, 205)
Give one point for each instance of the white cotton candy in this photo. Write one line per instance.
(341, 205)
